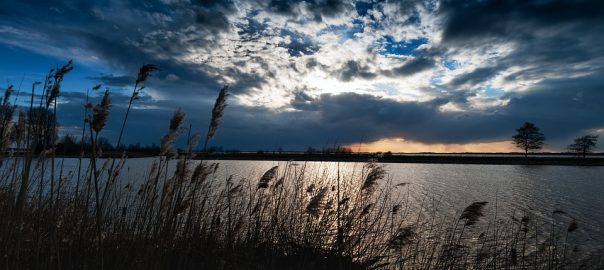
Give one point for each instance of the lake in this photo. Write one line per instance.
(511, 190)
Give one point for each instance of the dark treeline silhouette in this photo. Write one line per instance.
(583, 145)
(71, 146)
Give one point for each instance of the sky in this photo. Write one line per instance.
(404, 76)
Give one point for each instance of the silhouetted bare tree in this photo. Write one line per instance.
(583, 145)
(528, 138)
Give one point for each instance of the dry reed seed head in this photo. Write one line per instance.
(514, 256)
(96, 87)
(144, 72)
(7, 93)
(256, 208)
(238, 225)
(375, 173)
(279, 182)
(100, 113)
(176, 121)
(235, 190)
(218, 111)
(396, 209)
(55, 87)
(482, 255)
(166, 144)
(366, 209)
(60, 73)
(402, 184)
(316, 204)
(344, 201)
(194, 141)
(267, 177)
(199, 172)
(53, 94)
(310, 188)
(558, 212)
(20, 128)
(402, 237)
(472, 213)
(182, 206)
(167, 141)
(573, 226)
(181, 169)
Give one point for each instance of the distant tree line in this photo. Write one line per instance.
(529, 138)
(70, 145)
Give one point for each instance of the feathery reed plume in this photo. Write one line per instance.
(176, 120)
(310, 188)
(7, 93)
(96, 87)
(267, 177)
(217, 112)
(200, 172)
(20, 128)
(316, 203)
(279, 182)
(235, 190)
(100, 113)
(573, 226)
(514, 256)
(167, 141)
(366, 209)
(144, 72)
(401, 238)
(402, 184)
(344, 201)
(558, 212)
(376, 173)
(472, 213)
(58, 76)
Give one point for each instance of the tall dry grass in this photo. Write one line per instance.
(291, 217)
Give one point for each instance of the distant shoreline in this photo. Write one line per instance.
(487, 159)
(552, 159)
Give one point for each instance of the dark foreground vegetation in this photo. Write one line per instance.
(181, 215)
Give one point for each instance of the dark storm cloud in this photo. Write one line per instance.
(353, 69)
(111, 80)
(477, 76)
(411, 67)
(299, 44)
(349, 117)
(548, 34)
(547, 39)
(318, 8)
(515, 18)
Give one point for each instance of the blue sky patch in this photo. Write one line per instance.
(405, 47)
(363, 7)
(451, 64)
(346, 32)
(300, 44)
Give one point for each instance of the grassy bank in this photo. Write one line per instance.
(290, 217)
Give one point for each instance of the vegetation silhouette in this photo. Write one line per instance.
(583, 145)
(528, 138)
